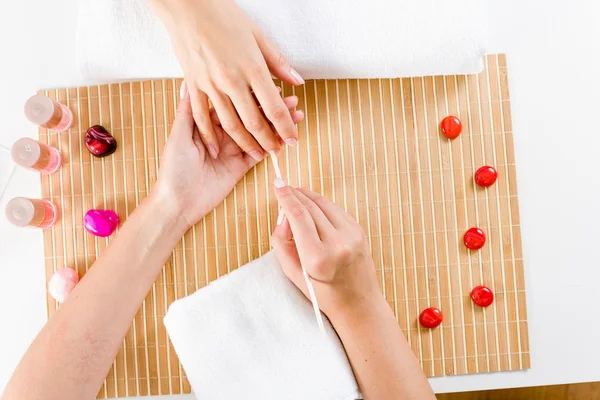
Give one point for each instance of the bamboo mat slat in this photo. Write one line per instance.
(374, 147)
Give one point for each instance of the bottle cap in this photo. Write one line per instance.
(26, 152)
(39, 109)
(20, 211)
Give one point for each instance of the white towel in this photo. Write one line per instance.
(253, 335)
(122, 39)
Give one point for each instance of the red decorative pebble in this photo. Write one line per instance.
(451, 127)
(482, 296)
(474, 238)
(486, 176)
(430, 317)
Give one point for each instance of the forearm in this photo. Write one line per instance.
(73, 353)
(383, 362)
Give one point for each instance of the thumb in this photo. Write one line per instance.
(184, 120)
(276, 61)
(287, 254)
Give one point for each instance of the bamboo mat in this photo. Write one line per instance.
(374, 147)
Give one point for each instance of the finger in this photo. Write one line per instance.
(287, 253)
(201, 112)
(232, 125)
(337, 216)
(276, 61)
(254, 121)
(275, 110)
(290, 102)
(323, 224)
(297, 116)
(184, 121)
(301, 222)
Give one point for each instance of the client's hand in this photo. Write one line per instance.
(191, 182)
(227, 58)
(332, 247)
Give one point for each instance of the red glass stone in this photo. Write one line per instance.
(474, 238)
(99, 142)
(482, 296)
(486, 176)
(430, 317)
(451, 127)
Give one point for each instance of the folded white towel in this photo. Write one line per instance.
(253, 335)
(122, 39)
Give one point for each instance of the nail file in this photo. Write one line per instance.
(309, 285)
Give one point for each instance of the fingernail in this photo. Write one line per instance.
(257, 155)
(297, 76)
(292, 141)
(182, 90)
(279, 183)
(280, 217)
(212, 150)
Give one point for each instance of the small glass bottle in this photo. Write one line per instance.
(48, 113)
(41, 157)
(36, 213)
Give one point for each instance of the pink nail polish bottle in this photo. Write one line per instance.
(36, 213)
(32, 154)
(48, 113)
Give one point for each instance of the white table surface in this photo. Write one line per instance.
(553, 49)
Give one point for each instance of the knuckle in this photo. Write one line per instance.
(231, 127)
(201, 118)
(255, 125)
(276, 113)
(298, 210)
(281, 60)
(256, 71)
(225, 75)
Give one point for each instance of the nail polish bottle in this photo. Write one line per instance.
(32, 154)
(48, 113)
(36, 213)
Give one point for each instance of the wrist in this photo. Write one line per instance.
(360, 310)
(166, 212)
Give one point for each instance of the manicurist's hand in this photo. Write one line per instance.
(332, 247)
(190, 181)
(226, 58)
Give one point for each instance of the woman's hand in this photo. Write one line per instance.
(226, 58)
(332, 247)
(190, 182)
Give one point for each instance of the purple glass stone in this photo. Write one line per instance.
(101, 222)
(99, 142)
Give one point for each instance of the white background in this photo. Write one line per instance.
(553, 57)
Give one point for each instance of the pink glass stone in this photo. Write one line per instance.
(101, 222)
(62, 283)
(99, 142)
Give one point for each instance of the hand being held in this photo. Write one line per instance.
(333, 248)
(190, 181)
(226, 58)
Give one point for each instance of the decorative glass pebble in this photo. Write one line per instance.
(451, 127)
(62, 283)
(482, 296)
(99, 142)
(430, 317)
(101, 222)
(486, 176)
(474, 239)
